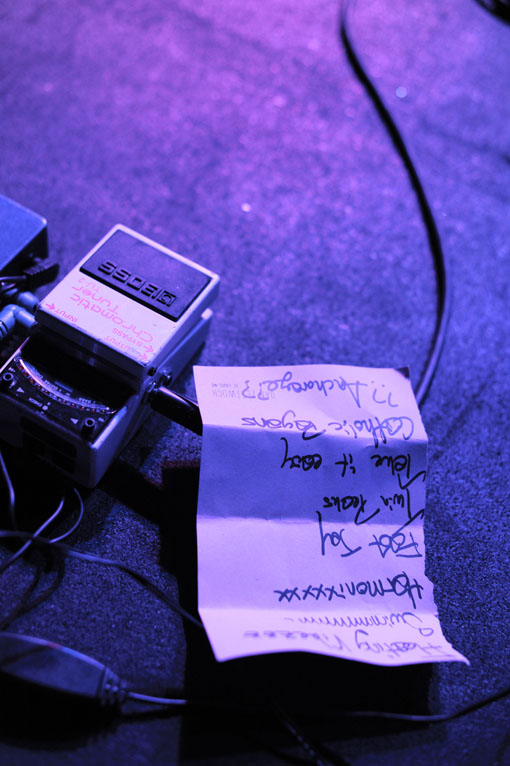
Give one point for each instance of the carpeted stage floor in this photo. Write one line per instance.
(237, 134)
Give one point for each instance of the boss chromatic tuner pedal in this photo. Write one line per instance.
(105, 343)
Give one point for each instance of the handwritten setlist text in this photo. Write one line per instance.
(310, 515)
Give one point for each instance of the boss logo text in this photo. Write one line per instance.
(137, 284)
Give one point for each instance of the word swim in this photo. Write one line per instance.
(390, 620)
(399, 585)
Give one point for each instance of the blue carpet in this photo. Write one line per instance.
(236, 134)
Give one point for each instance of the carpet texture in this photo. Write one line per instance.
(237, 134)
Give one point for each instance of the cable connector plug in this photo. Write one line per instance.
(59, 669)
(13, 315)
(177, 407)
(39, 274)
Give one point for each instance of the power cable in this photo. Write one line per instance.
(26, 604)
(11, 506)
(498, 8)
(38, 531)
(71, 552)
(434, 240)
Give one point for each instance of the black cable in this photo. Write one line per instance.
(23, 646)
(26, 604)
(293, 729)
(10, 492)
(33, 277)
(282, 716)
(76, 524)
(13, 614)
(178, 408)
(434, 240)
(150, 700)
(44, 525)
(71, 552)
(27, 545)
(376, 714)
(437, 718)
(56, 544)
(498, 8)
(172, 703)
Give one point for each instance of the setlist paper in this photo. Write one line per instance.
(310, 515)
